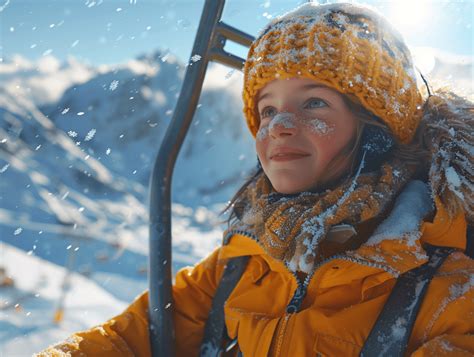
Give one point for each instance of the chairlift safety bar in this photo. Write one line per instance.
(209, 43)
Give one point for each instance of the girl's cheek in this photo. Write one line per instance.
(319, 127)
(262, 133)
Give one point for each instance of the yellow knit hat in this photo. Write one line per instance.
(346, 47)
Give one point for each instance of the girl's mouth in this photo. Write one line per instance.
(287, 153)
(287, 157)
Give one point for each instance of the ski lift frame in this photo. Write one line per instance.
(211, 37)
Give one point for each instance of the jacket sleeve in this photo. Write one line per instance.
(127, 333)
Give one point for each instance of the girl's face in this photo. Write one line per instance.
(304, 125)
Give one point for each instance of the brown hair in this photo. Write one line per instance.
(414, 153)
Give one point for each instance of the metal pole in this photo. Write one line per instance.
(234, 34)
(161, 308)
(227, 59)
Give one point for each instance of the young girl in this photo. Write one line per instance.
(359, 177)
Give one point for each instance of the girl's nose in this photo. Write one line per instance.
(283, 124)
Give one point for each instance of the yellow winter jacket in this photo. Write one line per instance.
(343, 301)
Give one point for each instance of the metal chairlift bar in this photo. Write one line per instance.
(234, 34)
(227, 59)
(161, 327)
(208, 44)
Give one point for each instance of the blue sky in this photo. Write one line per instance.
(113, 31)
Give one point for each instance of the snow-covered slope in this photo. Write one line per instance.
(28, 304)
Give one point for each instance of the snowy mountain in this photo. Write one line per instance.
(45, 80)
(121, 116)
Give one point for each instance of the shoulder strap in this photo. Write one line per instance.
(214, 330)
(470, 241)
(390, 334)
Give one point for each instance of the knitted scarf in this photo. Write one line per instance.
(291, 227)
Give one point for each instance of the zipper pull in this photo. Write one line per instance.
(297, 299)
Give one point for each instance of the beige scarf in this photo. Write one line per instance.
(291, 227)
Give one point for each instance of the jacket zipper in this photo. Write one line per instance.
(281, 333)
(293, 307)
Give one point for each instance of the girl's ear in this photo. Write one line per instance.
(377, 143)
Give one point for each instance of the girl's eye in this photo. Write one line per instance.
(314, 103)
(268, 112)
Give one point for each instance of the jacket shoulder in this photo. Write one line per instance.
(448, 305)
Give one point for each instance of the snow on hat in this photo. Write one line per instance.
(347, 47)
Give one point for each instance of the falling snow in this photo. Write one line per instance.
(5, 4)
(113, 85)
(195, 58)
(90, 135)
(229, 74)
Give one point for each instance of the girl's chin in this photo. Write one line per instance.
(292, 187)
